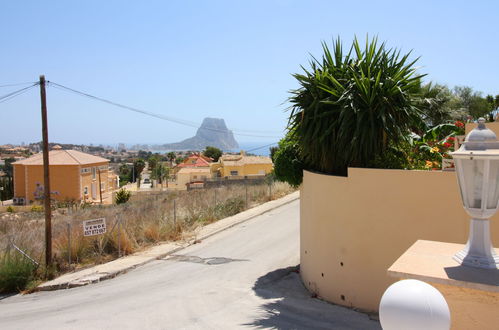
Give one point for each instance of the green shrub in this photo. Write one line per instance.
(16, 271)
(230, 207)
(10, 209)
(122, 196)
(351, 107)
(288, 166)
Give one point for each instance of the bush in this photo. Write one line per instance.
(16, 271)
(288, 166)
(10, 209)
(351, 107)
(122, 196)
(230, 207)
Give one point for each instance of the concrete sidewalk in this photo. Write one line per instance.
(119, 266)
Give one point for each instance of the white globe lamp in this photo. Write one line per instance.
(413, 305)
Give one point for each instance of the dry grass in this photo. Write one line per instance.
(145, 220)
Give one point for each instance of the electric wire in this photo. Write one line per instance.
(267, 145)
(159, 116)
(18, 92)
(18, 84)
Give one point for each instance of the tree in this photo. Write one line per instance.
(288, 165)
(8, 168)
(138, 166)
(213, 153)
(272, 151)
(476, 106)
(350, 107)
(7, 181)
(160, 173)
(152, 161)
(144, 154)
(439, 105)
(465, 93)
(125, 174)
(171, 156)
(479, 107)
(179, 159)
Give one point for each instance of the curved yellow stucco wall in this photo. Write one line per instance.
(353, 228)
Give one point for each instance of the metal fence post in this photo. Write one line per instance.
(215, 189)
(119, 237)
(270, 190)
(174, 212)
(69, 243)
(246, 189)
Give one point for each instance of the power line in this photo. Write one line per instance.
(11, 95)
(159, 116)
(268, 145)
(18, 84)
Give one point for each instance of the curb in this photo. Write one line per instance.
(96, 276)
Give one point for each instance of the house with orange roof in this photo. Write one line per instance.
(74, 176)
(196, 160)
(194, 169)
(242, 166)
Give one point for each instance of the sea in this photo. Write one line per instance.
(256, 148)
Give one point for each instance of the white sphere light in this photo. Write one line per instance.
(413, 305)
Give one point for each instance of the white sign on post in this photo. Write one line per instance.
(94, 227)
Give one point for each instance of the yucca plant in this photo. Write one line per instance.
(351, 107)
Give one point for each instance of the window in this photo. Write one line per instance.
(85, 170)
(94, 171)
(85, 191)
(234, 173)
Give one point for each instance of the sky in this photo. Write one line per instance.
(225, 59)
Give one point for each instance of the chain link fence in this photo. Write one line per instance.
(146, 219)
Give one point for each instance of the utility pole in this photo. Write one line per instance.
(46, 176)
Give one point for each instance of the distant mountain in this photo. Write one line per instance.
(213, 132)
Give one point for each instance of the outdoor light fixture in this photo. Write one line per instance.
(477, 168)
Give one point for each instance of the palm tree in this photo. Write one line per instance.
(161, 173)
(351, 106)
(171, 156)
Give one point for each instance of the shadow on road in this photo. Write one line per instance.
(6, 295)
(291, 306)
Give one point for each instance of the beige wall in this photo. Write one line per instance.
(492, 126)
(247, 169)
(188, 175)
(64, 179)
(19, 183)
(353, 228)
(87, 179)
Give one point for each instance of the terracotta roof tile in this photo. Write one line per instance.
(241, 160)
(194, 170)
(63, 157)
(199, 161)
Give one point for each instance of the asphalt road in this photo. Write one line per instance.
(244, 277)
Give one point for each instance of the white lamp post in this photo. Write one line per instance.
(477, 168)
